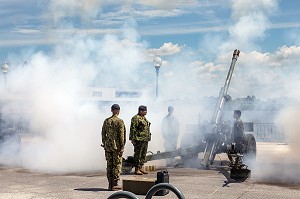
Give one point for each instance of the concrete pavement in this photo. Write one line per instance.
(193, 183)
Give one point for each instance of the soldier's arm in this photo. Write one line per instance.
(164, 129)
(177, 127)
(122, 135)
(240, 127)
(103, 132)
(133, 128)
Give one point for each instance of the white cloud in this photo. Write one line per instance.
(27, 31)
(167, 4)
(169, 49)
(209, 67)
(287, 53)
(69, 8)
(250, 22)
(139, 14)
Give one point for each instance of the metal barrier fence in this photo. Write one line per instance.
(268, 132)
(263, 132)
(150, 193)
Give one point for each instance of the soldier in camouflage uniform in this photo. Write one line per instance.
(238, 131)
(113, 140)
(140, 136)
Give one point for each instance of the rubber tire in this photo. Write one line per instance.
(250, 148)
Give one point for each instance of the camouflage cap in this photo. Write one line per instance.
(115, 107)
(142, 108)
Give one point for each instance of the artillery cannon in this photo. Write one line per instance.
(216, 139)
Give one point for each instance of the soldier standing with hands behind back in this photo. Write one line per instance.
(140, 136)
(113, 139)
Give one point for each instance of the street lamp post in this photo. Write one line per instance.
(157, 64)
(5, 69)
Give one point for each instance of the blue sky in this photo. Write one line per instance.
(198, 34)
(27, 24)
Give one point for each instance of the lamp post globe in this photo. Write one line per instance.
(5, 68)
(157, 64)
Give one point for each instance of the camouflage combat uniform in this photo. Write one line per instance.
(239, 135)
(113, 139)
(140, 133)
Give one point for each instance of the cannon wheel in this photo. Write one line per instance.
(250, 148)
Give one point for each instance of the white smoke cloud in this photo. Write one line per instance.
(242, 8)
(68, 129)
(247, 31)
(250, 21)
(280, 163)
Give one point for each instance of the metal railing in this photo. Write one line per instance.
(268, 132)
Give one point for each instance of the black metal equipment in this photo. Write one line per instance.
(162, 177)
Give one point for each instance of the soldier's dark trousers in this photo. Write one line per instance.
(114, 166)
(240, 144)
(140, 151)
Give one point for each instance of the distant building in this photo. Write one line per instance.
(97, 94)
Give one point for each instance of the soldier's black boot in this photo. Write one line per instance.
(142, 171)
(110, 185)
(137, 171)
(115, 186)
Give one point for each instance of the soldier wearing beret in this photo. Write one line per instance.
(140, 136)
(113, 140)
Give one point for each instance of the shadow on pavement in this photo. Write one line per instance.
(228, 179)
(91, 189)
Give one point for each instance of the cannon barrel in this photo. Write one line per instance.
(223, 93)
(211, 143)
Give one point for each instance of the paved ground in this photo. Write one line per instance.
(193, 183)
